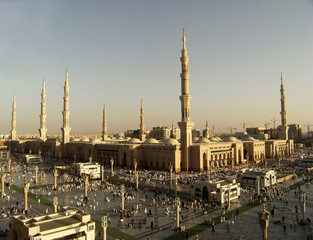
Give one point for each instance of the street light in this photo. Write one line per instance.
(104, 225)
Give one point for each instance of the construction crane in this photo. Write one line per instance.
(231, 129)
(266, 124)
(244, 125)
(308, 125)
(274, 122)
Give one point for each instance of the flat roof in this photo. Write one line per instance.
(58, 223)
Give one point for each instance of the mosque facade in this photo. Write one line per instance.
(184, 154)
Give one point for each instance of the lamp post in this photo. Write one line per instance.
(104, 225)
(122, 195)
(85, 177)
(135, 168)
(264, 217)
(55, 203)
(137, 182)
(36, 172)
(102, 173)
(2, 184)
(112, 164)
(55, 175)
(171, 173)
(177, 204)
(175, 185)
(304, 204)
(25, 191)
(9, 164)
(258, 183)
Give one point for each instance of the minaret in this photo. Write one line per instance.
(185, 124)
(43, 116)
(66, 112)
(283, 129)
(13, 121)
(104, 125)
(206, 131)
(142, 135)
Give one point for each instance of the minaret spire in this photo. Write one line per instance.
(66, 112)
(13, 121)
(43, 116)
(206, 131)
(104, 125)
(142, 135)
(185, 124)
(283, 129)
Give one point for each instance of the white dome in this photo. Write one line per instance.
(75, 140)
(133, 140)
(203, 140)
(231, 139)
(249, 138)
(151, 140)
(95, 141)
(194, 139)
(85, 139)
(213, 139)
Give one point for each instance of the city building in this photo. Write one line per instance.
(71, 223)
(185, 149)
(93, 170)
(219, 191)
(251, 178)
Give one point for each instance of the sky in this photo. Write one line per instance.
(118, 52)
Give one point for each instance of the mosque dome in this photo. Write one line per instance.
(248, 138)
(133, 140)
(203, 140)
(127, 139)
(231, 139)
(171, 141)
(213, 139)
(85, 139)
(75, 140)
(120, 138)
(151, 140)
(194, 139)
(95, 141)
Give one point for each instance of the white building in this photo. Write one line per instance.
(32, 158)
(250, 178)
(91, 169)
(70, 224)
(217, 190)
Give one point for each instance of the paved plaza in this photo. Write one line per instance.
(152, 215)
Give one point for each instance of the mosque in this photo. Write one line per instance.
(185, 154)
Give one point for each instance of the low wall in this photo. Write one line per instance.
(286, 178)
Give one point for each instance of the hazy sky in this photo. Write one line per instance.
(119, 51)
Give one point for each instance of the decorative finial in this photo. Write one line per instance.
(281, 77)
(184, 38)
(43, 82)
